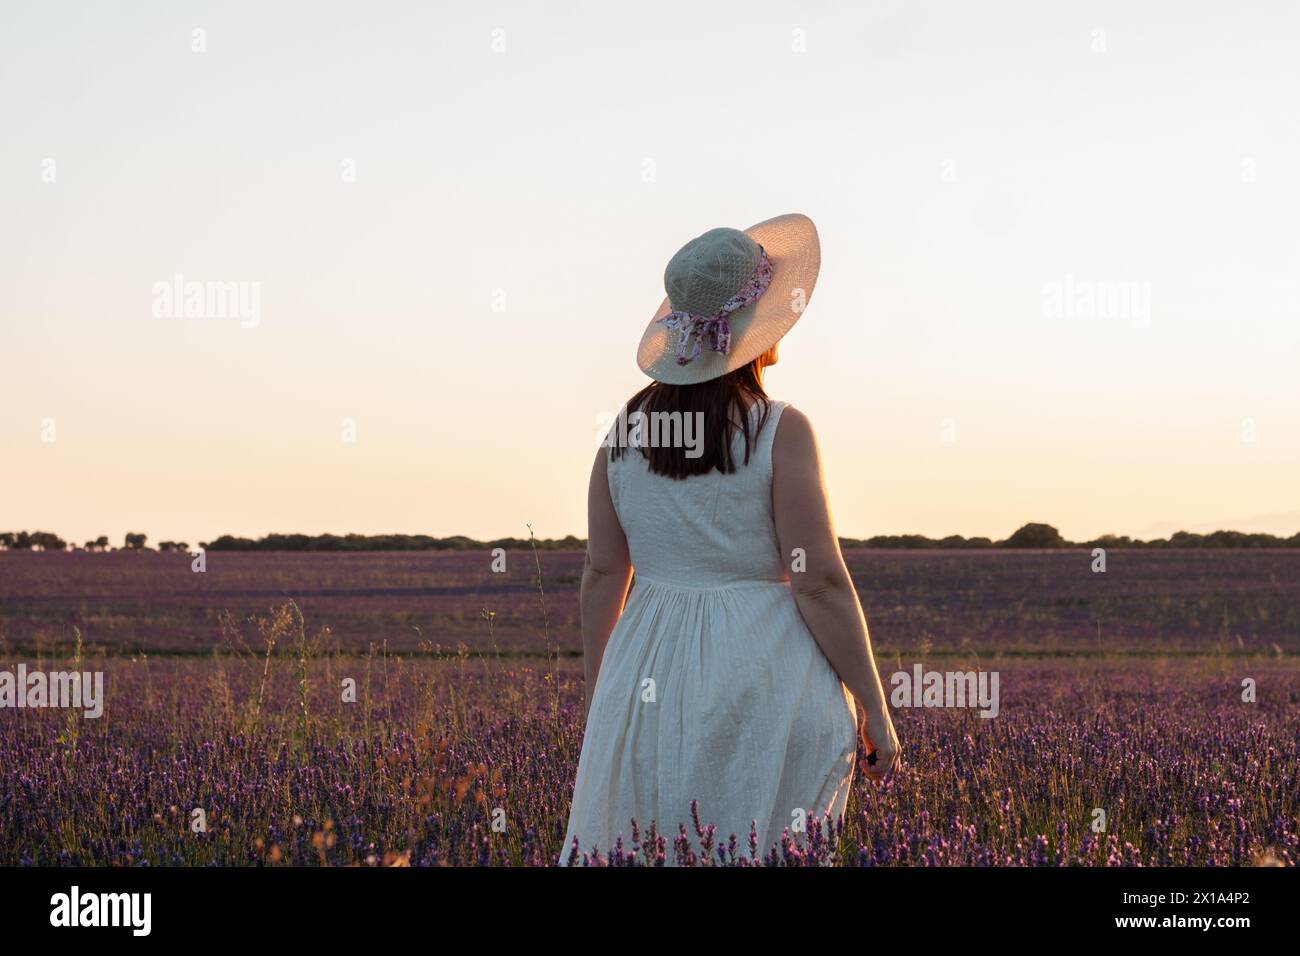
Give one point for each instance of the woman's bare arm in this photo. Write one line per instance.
(605, 574)
(824, 590)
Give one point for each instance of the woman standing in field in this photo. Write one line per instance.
(728, 676)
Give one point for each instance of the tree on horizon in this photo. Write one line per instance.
(1035, 535)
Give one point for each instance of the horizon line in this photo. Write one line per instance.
(1033, 535)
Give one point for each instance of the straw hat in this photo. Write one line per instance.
(732, 295)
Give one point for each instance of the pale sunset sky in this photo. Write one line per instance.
(1060, 277)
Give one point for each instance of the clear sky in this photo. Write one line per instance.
(1060, 278)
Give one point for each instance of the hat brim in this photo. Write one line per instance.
(790, 241)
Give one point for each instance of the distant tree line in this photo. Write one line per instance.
(385, 542)
(31, 541)
(1033, 535)
(45, 541)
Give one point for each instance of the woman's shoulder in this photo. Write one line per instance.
(794, 431)
(785, 413)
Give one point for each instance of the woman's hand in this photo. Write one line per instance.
(881, 744)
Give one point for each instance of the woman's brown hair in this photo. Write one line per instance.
(721, 404)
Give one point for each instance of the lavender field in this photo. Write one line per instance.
(462, 741)
(994, 601)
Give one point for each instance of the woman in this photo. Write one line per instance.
(729, 675)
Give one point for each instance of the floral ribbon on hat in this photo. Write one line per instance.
(713, 330)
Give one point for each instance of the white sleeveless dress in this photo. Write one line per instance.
(711, 687)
